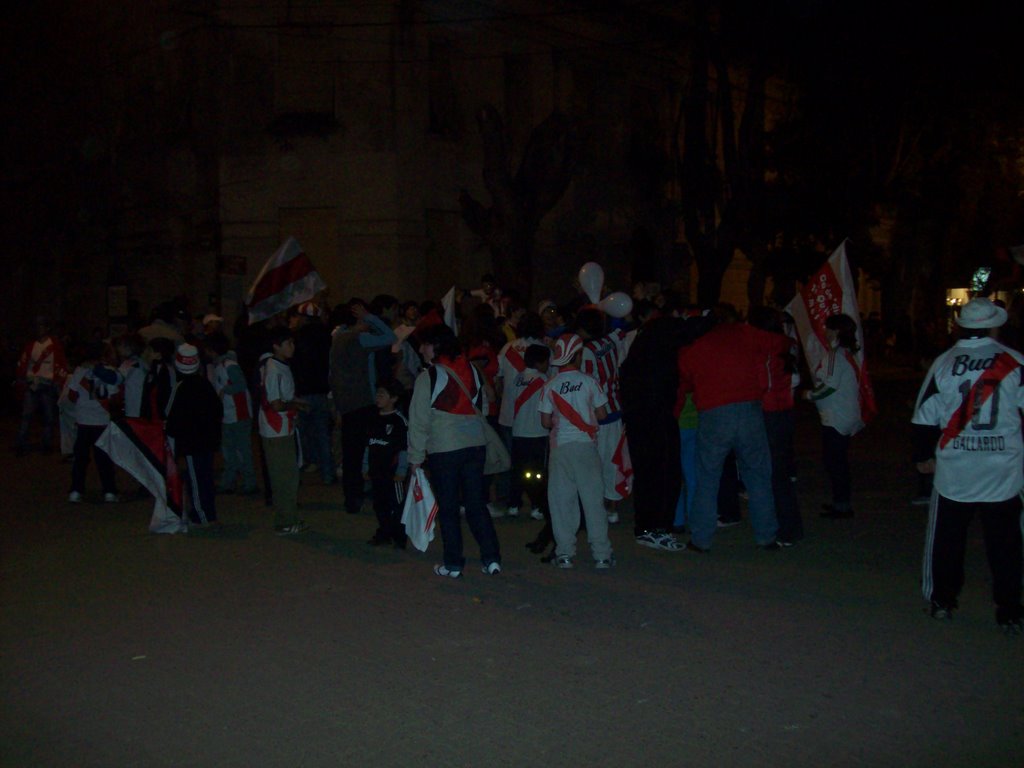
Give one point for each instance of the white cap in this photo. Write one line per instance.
(186, 359)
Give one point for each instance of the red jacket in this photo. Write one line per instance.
(729, 364)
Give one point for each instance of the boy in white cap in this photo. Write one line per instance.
(572, 405)
(973, 394)
(193, 419)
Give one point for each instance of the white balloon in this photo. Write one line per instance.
(592, 280)
(617, 304)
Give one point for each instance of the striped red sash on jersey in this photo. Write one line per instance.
(515, 357)
(528, 391)
(572, 416)
(1003, 365)
(274, 418)
(44, 355)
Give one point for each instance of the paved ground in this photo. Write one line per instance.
(122, 648)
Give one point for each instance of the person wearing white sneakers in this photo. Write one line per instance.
(446, 431)
(572, 404)
(93, 384)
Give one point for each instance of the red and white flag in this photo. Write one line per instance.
(288, 278)
(420, 511)
(141, 449)
(831, 291)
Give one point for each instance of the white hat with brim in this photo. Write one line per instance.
(566, 348)
(981, 313)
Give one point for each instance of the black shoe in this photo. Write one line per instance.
(399, 543)
(772, 546)
(536, 546)
(690, 546)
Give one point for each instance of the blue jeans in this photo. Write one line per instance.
(42, 400)
(735, 427)
(459, 476)
(688, 460)
(315, 428)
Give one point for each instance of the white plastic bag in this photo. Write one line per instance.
(420, 511)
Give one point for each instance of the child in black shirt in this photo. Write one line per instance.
(384, 463)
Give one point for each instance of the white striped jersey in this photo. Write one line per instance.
(974, 392)
(601, 359)
(510, 365)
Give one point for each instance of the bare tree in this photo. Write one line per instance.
(518, 203)
(723, 187)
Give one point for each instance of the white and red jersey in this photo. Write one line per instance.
(601, 359)
(276, 383)
(43, 360)
(229, 381)
(90, 391)
(974, 393)
(837, 392)
(510, 365)
(528, 388)
(571, 398)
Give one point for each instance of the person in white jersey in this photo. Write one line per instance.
(973, 394)
(509, 382)
(279, 409)
(571, 407)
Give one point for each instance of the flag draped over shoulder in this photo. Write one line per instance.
(288, 278)
(140, 448)
(831, 291)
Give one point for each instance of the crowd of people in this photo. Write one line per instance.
(682, 408)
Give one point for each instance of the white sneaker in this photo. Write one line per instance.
(613, 517)
(536, 514)
(513, 512)
(495, 511)
(564, 562)
(492, 569)
(75, 497)
(111, 498)
(654, 540)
